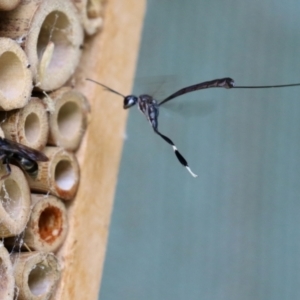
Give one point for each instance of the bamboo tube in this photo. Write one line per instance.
(48, 225)
(59, 176)
(28, 126)
(69, 118)
(14, 202)
(51, 35)
(7, 280)
(9, 4)
(15, 76)
(36, 274)
(90, 13)
(1, 133)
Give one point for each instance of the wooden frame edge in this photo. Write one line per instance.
(110, 58)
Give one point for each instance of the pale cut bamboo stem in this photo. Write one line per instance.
(51, 35)
(7, 280)
(28, 126)
(90, 13)
(69, 118)
(48, 224)
(9, 4)
(15, 76)
(36, 274)
(15, 202)
(59, 176)
(1, 133)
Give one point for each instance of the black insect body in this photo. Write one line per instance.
(150, 107)
(25, 157)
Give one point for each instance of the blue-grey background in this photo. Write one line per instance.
(234, 232)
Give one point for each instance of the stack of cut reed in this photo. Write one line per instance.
(40, 47)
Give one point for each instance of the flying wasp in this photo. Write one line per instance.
(150, 107)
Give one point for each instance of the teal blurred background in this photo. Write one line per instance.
(234, 232)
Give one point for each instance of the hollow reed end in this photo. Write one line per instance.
(15, 76)
(36, 274)
(91, 14)
(28, 126)
(59, 176)
(15, 202)
(48, 224)
(69, 118)
(9, 4)
(7, 280)
(51, 35)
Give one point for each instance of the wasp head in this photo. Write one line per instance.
(129, 101)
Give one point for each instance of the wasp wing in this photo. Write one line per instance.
(26, 152)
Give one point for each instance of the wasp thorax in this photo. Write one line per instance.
(130, 101)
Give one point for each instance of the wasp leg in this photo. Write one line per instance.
(179, 156)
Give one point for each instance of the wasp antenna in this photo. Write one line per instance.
(106, 87)
(179, 156)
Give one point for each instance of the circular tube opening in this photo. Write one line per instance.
(69, 119)
(11, 75)
(39, 279)
(64, 175)
(32, 128)
(10, 197)
(50, 224)
(54, 29)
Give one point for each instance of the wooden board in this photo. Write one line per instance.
(110, 57)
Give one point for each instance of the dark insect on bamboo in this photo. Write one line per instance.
(150, 107)
(26, 158)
